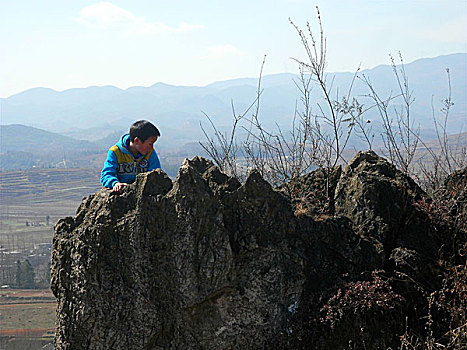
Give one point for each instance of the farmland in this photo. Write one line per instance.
(42, 186)
(32, 201)
(27, 318)
(24, 311)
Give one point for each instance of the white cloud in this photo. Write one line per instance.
(223, 51)
(107, 15)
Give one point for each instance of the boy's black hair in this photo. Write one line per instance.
(143, 130)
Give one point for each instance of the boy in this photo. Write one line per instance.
(133, 154)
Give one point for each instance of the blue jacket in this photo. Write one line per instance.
(122, 166)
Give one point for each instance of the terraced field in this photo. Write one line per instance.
(47, 185)
(32, 201)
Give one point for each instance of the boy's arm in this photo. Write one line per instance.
(154, 162)
(109, 172)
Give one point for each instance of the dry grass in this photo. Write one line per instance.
(301, 209)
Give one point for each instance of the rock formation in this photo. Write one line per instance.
(205, 262)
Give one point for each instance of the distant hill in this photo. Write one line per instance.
(95, 112)
(16, 137)
(24, 147)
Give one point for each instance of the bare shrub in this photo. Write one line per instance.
(319, 132)
(400, 137)
(224, 148)
(447, 155)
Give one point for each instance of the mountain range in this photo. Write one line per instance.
(87, 112)
(99, 115)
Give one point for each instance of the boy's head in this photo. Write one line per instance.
(143, 134)
(142, 129)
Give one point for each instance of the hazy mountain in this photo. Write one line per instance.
(18, 137)
(24, 147)
(95, 112)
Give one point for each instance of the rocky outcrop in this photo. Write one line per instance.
(205, 262)
(379, 200)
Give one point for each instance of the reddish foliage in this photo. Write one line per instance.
(358, 298)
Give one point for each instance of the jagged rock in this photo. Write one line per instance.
(379, 200)
(159, 268)
(205, 262)
(375, 197)
(313, 194)
(457, 181)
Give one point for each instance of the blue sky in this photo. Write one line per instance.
(64, 44)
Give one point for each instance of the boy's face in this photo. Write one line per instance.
(146, 146)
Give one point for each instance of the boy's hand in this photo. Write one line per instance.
(118, 187)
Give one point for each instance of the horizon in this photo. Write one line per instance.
(63, 45)
(210, 83)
